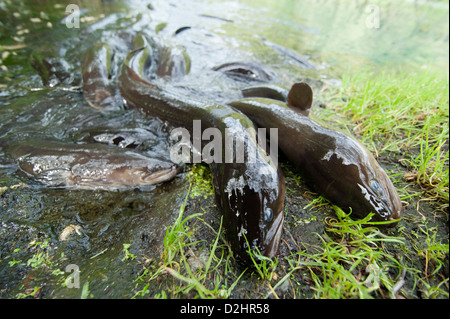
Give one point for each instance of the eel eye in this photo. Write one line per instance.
(375, 186)
(268, 214)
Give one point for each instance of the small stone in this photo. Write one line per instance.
(68, 231)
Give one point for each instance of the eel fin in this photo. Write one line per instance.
(300, 98)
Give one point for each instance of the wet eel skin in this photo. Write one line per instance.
(88, 166)
(333, 163)
(251, 194)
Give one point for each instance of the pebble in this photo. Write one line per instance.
(68, 231)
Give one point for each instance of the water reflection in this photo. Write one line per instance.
(407, 31)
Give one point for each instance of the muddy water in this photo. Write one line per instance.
(298, 40)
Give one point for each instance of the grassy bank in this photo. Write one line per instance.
(403, 116)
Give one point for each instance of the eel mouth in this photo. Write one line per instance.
(157, 176)
(395, 217)
(397, 207)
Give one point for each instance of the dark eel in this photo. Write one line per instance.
(333, 163)
(251, 194)
(89, 166)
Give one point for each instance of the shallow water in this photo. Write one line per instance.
(333, 36)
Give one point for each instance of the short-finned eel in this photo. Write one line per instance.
(89, 166)
(333, 163)
(250, 194)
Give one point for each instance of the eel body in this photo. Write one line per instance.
(89, 166)
(250, 194)
(333, 163)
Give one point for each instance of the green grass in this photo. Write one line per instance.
(355, 260)
(352, 261)
(402, 117)
(201, 180)
(430, 166)
(396, 107)
(401, 113)
(195, 274)
(44, 265)
(433, 253)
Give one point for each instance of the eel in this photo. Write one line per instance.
(96, 73)
(249, 194)
(89, 166)
(270, 91)
(174, 63)
(333, 163)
